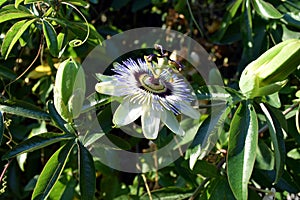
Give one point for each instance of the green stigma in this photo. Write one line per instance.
(152, 84)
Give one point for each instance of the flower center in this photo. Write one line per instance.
(152, 84)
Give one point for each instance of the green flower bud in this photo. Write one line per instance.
(268, 73)
(69, 89)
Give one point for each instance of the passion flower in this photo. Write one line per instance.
(152, 96)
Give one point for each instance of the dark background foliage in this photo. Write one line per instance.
(234, 33)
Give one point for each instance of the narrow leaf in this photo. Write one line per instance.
(14, 14)
(31, 1)
(36, 142)
(243, 138)
(17, 3)
(276, 133)
(87, 177)
(1, 126)
(51, 37)
(207, 135)
(266, 9)
(58, 120)
(13, 35)
(7, 73)
(52, 171)
(23, 109)
(227, 19)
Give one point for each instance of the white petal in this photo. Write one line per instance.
(109, 88)
(188, 110)
(150, 122)
(126, 113)
(104, 77)
(169, 119)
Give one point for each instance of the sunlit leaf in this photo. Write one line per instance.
(52, 171)
(243, 138)
(13, 35)
(17, 3)
(290, 20)
(207, 135)
(78, 3)
(265, 9)
(64, 188)
(31, 1)
(14, 14)
(276, 132)
(51, 37)
(23, 109)
(87, 174)
(36, 142)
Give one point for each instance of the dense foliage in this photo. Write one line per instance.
(247, 148)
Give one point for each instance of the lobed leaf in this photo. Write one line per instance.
(243, 139)
(87, 174)
(276, 132)
(36, 142)
(51, 172)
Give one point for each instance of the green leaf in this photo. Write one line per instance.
(36, 142)
(266, 9)
(138, 5)
(31, 1)
(52, 171)
(227, 19)
(243, 138)
(205, 168)
(276, 132)
(246, 30)
(87, 174)
(1, 126)
(218, 94)
(7, 73)
(13, 35)
(23, 109)
(64, 188)
(118, 4)
(58, 120)
(51, 38)
(2, 2)
(264, 157)
(207, 135)
(7, 15)
(168, 193)
(290, 20)
(17, 3)
(78, 3)
(220, 189)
